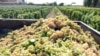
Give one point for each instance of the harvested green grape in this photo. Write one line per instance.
(49, 37)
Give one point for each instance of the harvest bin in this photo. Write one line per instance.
(12, 24)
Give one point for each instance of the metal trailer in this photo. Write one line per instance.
(12, 24)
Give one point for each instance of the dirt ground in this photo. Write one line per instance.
(51, 14)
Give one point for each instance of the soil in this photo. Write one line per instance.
(51, 14)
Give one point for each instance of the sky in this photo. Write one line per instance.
(78, 2)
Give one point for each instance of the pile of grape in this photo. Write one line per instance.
(49, 37)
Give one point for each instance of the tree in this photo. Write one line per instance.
(30, 3)
(52, 4)
(61, 4)
(95, 2)
(44, 4)
(55, 3)
(87, 2)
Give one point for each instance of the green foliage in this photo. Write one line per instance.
(28, 12)
(76, 15)
(87, 18)
(96, 20)
(90, 16)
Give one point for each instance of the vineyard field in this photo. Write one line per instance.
(90, 16)
(24, 12)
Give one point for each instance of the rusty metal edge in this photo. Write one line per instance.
(18, 19)
(85, 27)
(34, 20)
(88, 27)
